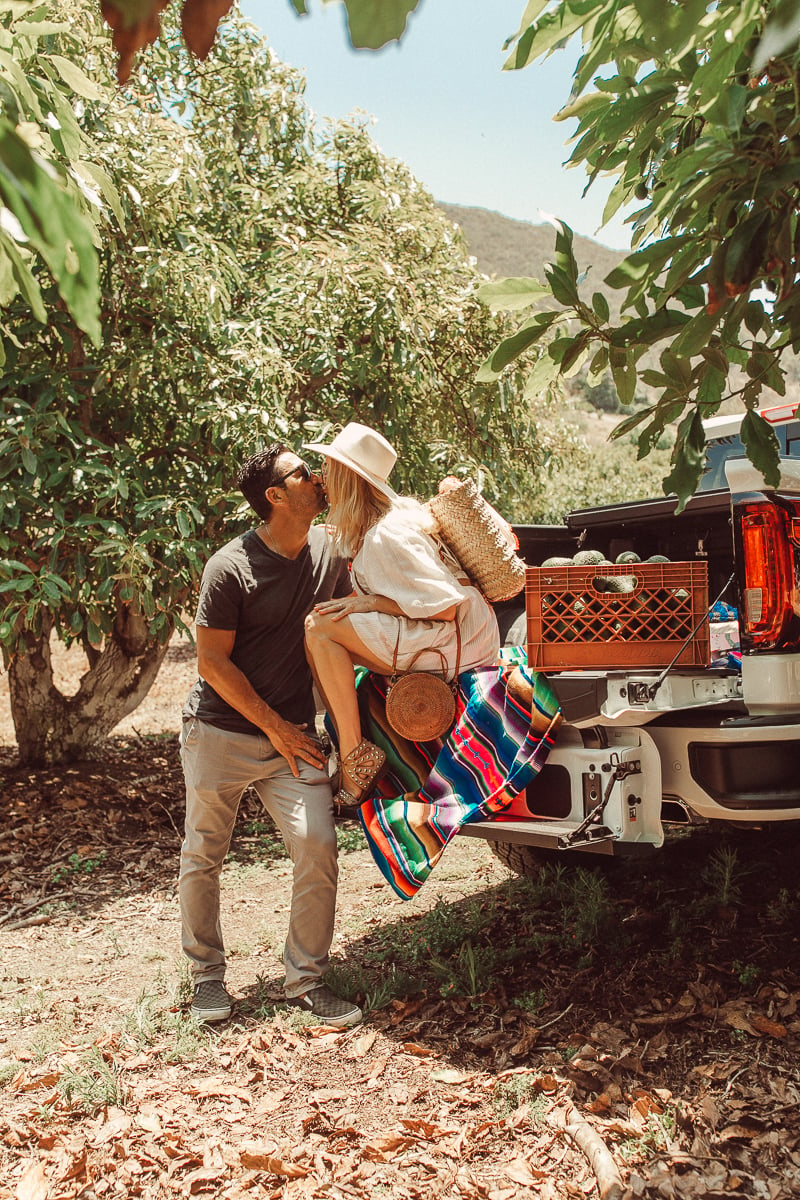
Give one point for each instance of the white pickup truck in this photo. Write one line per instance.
(644, 748)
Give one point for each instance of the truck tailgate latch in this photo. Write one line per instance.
(591, 828)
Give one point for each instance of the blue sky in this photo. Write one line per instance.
(472, 133)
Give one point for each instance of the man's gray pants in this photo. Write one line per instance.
(218, 767)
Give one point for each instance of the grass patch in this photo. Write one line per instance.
(658, 1133)
(77, 866)
(7, 1071)
(91, 1085)
(724, 877)
(264, 1007)
(511, 1093)
(158, 1018)
(472, 947)
(348, 839)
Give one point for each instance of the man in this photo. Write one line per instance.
(249, 720)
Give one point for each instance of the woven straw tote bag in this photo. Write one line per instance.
(480, 540)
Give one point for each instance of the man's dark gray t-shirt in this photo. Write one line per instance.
(265, 598)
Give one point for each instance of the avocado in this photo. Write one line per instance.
(588, 558)
(615, 583)
(628, 556)
(621, 583)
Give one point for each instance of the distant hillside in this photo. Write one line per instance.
(503, 246)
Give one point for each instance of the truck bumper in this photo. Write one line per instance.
(771, 683)
(733, 769)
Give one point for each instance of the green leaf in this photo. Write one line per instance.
(584, 105)
(544, 34)
(511, 347)
(532, 10)
(688, 459)
(8, 284)
(26, 281)
(544, 373)
(373, 23)
(561, 285)
(95, 174)
(50, 220)
(36, 28)
(645, 263)
(762, 446)
(695, 335)
(730, 107)
(754, 316)
(677, 370)
(630, 423)
(509, 295)
(574, 355)
(668, 27)
(14, 72)
(623, 372)
(597, 367)
(600, 306)
(565, 256)
(75, 78)
(68, 136)
(648, 330)
(709, 394)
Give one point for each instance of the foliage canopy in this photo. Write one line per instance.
(707, 147)
(260, 280)
(693, 108)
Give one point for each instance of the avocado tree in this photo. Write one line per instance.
(259, 280)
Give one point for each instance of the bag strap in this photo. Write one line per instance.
(431, 649)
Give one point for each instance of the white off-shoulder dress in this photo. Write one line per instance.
(399, 559)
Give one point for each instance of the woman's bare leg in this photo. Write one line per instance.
(333, 648)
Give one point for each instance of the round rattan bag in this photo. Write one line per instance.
(420, 706)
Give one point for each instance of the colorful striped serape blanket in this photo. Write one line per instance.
(507, 718)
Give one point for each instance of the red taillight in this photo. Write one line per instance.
(769, 537)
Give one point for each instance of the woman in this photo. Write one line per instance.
(411, 601)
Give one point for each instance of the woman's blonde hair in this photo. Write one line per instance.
(354, 506)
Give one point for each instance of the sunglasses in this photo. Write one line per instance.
(302, 469)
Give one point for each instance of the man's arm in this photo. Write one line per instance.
(214, 649)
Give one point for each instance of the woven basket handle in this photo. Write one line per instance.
(432, 649)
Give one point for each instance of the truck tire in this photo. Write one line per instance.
(523, 860)
(531, 860)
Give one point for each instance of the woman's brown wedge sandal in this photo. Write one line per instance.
(363, 766)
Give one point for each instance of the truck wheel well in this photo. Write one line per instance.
(523, 860)
(531, 860)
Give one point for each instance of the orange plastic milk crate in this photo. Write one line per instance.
(620, 615)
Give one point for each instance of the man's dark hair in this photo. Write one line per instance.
(256, 474)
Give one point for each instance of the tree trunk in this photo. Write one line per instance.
(53, 728)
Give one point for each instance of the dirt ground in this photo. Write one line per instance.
(616, 1070)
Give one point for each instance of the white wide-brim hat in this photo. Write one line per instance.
(364, 451)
